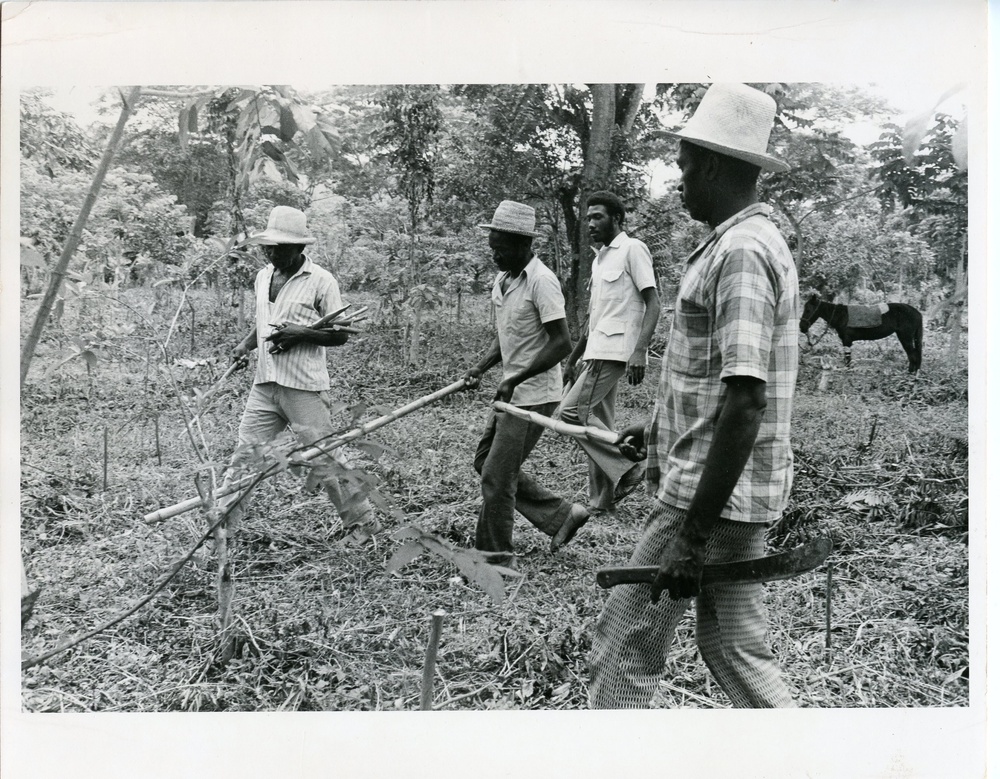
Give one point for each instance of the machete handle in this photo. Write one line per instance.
(784, 565)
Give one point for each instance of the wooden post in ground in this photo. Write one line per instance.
(430, 660)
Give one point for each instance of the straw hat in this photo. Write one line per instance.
(512, 217)
(284, 225)
(735, 120)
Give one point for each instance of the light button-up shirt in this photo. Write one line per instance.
(533, 298)
(620, 272)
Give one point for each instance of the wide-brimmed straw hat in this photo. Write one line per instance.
(284, 225)
(513, 217)
(735, 120)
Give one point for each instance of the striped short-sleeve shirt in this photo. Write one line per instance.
(736, 315)
(311, 293)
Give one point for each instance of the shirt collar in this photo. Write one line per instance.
(740, 216)
(616, 242)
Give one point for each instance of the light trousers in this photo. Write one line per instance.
(633, 636)
(591, 401)
(270, 409)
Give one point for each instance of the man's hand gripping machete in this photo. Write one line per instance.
(785, 565)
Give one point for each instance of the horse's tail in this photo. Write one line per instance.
(918, 341)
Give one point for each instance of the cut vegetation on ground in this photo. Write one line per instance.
(881, 467)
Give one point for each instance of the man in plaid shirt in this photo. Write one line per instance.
(719, 459)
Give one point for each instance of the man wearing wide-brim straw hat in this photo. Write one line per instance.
(718, 453)
(291, 381)
(532, 338)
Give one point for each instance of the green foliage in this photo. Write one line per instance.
(134, 224)
(931, 188)
(408, 140)
(51, 139)
(195, 173)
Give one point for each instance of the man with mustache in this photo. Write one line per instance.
(624, 309)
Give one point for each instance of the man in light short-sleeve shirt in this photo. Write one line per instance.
(291, 380)
(624, 309)
(532, 338)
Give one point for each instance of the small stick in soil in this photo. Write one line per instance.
(156, 434)
(105, 458)
(829, 591)
(430, 660)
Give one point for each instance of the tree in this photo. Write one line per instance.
(408, 140)
(929, 182)
(73, 239)
(552, 144)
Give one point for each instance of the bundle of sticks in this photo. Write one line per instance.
(338, 321)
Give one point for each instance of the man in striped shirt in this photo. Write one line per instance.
(291, 384)
(719, 459)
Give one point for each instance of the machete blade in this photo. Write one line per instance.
(783, 565)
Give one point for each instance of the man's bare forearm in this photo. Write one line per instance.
(649, 319)
(733, 442)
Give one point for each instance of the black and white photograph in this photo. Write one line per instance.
(612, 395)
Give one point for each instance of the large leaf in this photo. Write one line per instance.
(370, 448)
(305, 119)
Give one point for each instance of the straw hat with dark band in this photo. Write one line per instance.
(513, 217)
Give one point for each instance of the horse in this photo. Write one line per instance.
(902, 319)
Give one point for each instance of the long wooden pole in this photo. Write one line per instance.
(312, 452)
(129, 100)
(563, 428)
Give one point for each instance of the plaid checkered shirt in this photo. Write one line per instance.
(736, 315)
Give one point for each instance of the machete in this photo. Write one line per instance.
(784, 565)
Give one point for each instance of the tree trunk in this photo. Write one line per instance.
(415, 300)
(73, 240)
(596, 175)
(956, 310)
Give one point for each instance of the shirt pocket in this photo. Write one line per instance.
(611, 327)
(690, 348)
(524, 321)
(614, 283)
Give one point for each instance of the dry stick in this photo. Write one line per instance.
(829, 590)
(105, 459)
(37, 660)
(156, 434)
(331, 442)
(430, 659)
(564, 428)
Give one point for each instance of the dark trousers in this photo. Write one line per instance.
(505, 445)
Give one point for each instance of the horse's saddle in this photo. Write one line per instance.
(866, 316)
